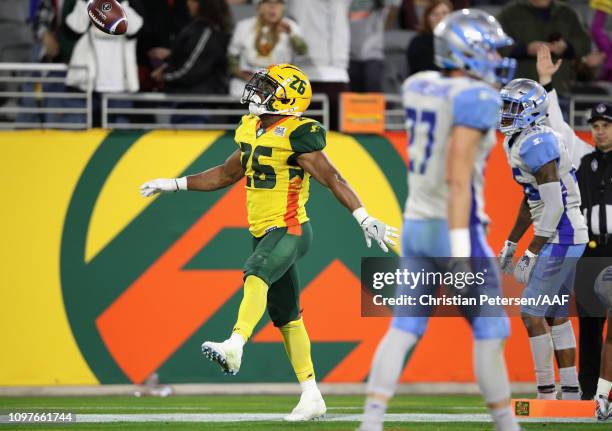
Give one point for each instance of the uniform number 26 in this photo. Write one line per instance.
(264, 176)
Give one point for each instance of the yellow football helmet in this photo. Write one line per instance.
(281, 89)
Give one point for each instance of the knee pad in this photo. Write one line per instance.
(414, 325)
(488, 328)
(563, 336)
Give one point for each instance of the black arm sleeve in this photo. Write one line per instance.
(519, 51)
(204, 51)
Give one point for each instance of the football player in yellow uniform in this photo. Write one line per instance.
(278, 151)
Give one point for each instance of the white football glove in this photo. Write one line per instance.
(506, 256)
(163, 185)
(375, 229)
(524, 267)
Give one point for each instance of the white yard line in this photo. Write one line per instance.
(253, 389)
(47, 408)
(345, 408)
(258, 417)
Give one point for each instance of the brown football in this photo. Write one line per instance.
(108, 16)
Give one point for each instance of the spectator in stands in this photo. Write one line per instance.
(603, 9)
(532, 23)
(409, 19)
(111, 60)
(327, 33)
(45, 24)
(586, 70)
(198, 59)
(420, 53)
(45, 18)
(197, 62)
(265, 39)
(163, 20)
(369, 19)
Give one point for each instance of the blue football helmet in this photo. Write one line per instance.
(468, 40)
(525, 103)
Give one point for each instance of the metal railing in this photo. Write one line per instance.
(395, 114)
(580, 108)
(34, 95)
(185, 111)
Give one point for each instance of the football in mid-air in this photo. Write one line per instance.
(108, 16)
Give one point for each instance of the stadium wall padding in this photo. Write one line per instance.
(100, 285)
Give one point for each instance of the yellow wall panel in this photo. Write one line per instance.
(39, 172)
(374, 190)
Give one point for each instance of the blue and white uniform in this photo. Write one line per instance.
(554, 272)
(434, 105)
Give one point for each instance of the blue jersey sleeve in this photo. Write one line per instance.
(538, 150)
(477, 108)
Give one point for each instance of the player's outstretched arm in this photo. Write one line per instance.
(215, 178)
(546, 69)
(321, 168)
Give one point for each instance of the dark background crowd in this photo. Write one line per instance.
(214, 46)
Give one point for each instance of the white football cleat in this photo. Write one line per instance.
(311, 407)
(603, 409)
(227, 354)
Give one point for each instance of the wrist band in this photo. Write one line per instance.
(181, 183)
(360, 215)
(460, 242)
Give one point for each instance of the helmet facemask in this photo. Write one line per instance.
(261, 92)
(511, 120)
(525, 103)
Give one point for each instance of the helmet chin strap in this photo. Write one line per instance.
(258, 109)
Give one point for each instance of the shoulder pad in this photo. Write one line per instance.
(476, 106)
(539, 148)
(308, 137)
